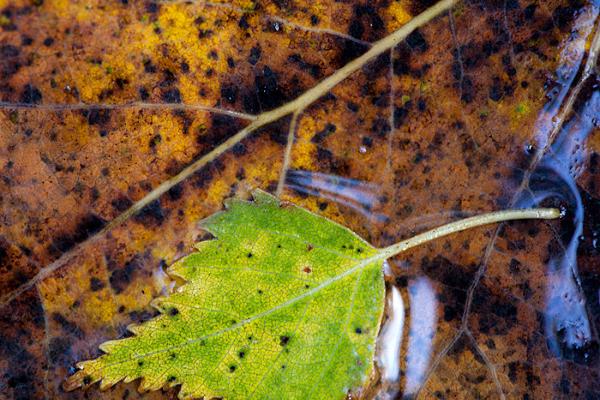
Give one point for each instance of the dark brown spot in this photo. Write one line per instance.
(31, 95)
(96, 284)
(172, 96)
(59, 350)
(255, 53)
(152, 214)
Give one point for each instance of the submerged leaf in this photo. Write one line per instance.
(282, 304)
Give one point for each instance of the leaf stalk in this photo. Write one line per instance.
(468, 223)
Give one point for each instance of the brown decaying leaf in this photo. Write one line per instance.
(101, 103)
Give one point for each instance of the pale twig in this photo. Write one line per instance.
(288, 153)
(132, 105)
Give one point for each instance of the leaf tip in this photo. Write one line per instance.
(79, 379)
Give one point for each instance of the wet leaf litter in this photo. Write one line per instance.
(487, 107)
(282, 303)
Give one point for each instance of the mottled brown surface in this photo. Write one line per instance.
(101, 102)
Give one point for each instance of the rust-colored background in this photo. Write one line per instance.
(494, 104)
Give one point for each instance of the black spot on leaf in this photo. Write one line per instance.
(284, 340)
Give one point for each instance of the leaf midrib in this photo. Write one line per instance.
(379, 256)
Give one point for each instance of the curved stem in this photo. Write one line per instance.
(468, 223)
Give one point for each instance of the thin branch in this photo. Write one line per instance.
(391, 119)
(288, 153)
(132, 105)
(488, 363)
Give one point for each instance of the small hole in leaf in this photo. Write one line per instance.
(358, 331)
(87, 380)
(284, 340)
(232, 368)
(307, 286)
(241, 354)
(140, 363)
(283, 366)
(171, 378)
(173, 356)
(249, 255)
(260, 291)
(173, 311)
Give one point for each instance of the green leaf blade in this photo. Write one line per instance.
(282, 304)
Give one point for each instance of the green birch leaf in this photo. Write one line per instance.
(282, 304)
